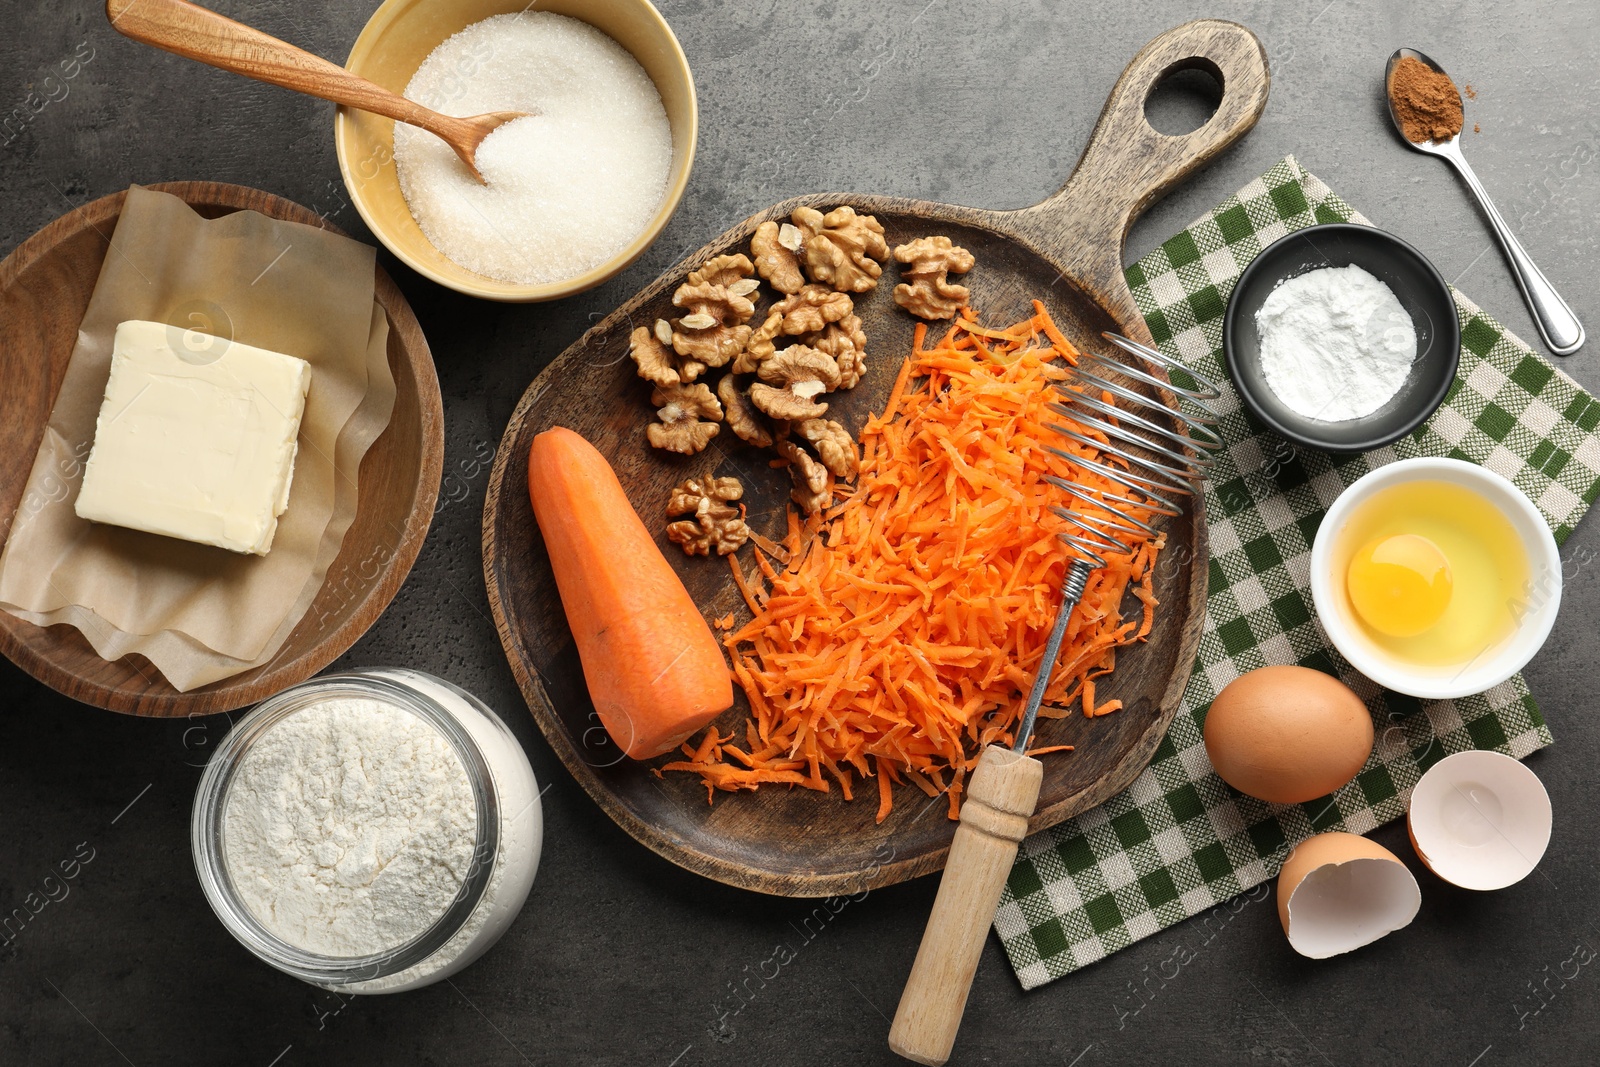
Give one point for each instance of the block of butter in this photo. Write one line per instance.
(198, 445)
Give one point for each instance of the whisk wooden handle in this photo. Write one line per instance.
(994, 818)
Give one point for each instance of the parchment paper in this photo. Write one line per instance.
(197, 612)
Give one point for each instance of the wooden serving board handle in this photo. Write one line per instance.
(200, 34)
(994, 819)
(1128, 164)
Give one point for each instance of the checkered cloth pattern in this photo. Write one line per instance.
(1179, 841)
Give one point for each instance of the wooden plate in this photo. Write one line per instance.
(1066, 251)
(45, 286)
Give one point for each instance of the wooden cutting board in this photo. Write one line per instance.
(1067, 252)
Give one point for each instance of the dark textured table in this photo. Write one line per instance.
(620, 957)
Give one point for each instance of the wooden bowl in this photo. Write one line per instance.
(393, 45)
(45, 286)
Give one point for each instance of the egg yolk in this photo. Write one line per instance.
(1399, 585)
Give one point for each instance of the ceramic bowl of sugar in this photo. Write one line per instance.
(574, 193)
(1341, 337)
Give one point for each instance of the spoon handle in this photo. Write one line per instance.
(194, 32)
(1562, 331)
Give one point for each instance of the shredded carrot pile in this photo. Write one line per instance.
(899, 635)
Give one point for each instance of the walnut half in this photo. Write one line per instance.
(841, 249)
(833, 444)
(846, 342)
(717, 301)
(776, 250)
(681, 409)
(813, 483)
(744, 418)
(799, 375)
(927, 291)
(717, 523)
(652, 352)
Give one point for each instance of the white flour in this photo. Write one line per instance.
(515, 859)
(1335, 343)
(349, 827)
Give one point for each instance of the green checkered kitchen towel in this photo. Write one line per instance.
(1178, 841)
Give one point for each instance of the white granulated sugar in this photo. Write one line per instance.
(569, 187)
(1335, 343)
(349, 827)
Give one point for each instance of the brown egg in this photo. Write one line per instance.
(1287, 734)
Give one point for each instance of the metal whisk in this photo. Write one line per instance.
(1157, 445)
(1161, 451)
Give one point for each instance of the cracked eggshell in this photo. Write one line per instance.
(1479, 820)
(1338, 891)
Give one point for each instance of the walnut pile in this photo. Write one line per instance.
(840, 249)
(927, 291)
(716, 524)
(803, 315)
(809, 343)
(780, 360)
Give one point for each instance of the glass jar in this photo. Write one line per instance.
(509, 833)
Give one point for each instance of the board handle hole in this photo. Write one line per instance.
(1184, 98)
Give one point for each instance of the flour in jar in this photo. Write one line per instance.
(349, 827)
(1335, 343)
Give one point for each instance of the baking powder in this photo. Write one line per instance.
(1335, 343)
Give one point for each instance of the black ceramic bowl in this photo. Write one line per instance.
(1416, 284)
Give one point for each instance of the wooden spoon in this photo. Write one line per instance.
(197, 33)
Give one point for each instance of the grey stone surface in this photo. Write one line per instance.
(619, 957)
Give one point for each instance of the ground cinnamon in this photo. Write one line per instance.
(1425, 101)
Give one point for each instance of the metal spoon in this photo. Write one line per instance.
(1560, 327)
(196, 33)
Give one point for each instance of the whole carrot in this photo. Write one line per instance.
(653, 668)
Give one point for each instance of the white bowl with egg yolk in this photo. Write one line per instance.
(1533, 607)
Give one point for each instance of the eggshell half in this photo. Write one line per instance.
(1337, 892)
(1287, 734)
(1480, 820)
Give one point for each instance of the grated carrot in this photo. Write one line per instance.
(770, 547)
(900, 637)
(744, 587)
